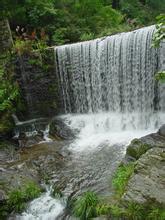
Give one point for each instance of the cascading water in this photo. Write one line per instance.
(114, 74)
(109, 83)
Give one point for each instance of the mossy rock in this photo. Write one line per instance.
(137, 148)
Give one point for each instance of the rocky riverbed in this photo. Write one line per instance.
(53, 163)
(148, 181)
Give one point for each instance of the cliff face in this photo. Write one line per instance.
(35, 73)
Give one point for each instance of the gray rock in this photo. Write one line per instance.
(140, 146)
(148, 181)
(162, 130)
(2, 196)
(60, 130)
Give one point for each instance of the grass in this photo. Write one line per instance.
(18, 198)
(56, 193)
(85, 206)
(121, 178)
(89, 206)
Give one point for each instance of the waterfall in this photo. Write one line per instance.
(112, 74)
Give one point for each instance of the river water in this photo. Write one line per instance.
(95, 153)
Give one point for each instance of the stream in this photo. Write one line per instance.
(95, 153)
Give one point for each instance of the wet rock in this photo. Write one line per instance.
(140, 146)
(60, 130)
(22, 139)
(2, 196)
(148, 183)
(162, 130)
(30, 164)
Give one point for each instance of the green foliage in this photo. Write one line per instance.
(158, 37)
(103, 209)
(31, 191)
(156, 213)
(10, 98)
(134, 211)
(17, 199)
(121, 178)
(160, 76)
(89, 206)
(85, 206)
(160, 30)
(68, 21)
(56, 192)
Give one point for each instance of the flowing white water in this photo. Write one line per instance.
(114, 74)
(111, 81)
(43, 208)
(110, 128)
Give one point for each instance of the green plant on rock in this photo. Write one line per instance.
(160, 30)
(18, 198)
(134, 211)
(156, 213)
(31, 190)
(85, 206)
(116, 211)
(10, 97)
(56, 192)
(158, 37)
(103, 209)
(121, 178)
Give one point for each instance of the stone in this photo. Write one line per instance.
(148, 181)
(2, 196)
(60, 130)
(138, 147)
(162, 130)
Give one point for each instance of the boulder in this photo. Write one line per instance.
(59, 129)
(162, 130)
(140, 146)
(147, 183)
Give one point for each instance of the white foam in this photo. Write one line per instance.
(43, 208)
(112, 128)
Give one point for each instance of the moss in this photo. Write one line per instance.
(136, 149)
